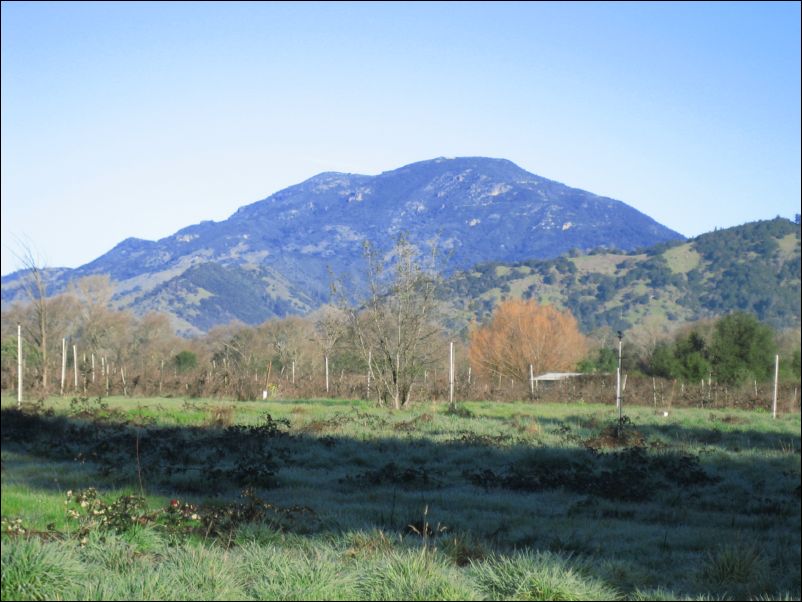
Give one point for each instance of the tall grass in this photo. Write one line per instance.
(538, 576)
(34, 570)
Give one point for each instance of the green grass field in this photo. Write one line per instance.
(336, 499)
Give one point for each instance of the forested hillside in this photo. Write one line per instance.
(754, 268)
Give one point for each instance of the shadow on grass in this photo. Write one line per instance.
(215, 461)
(725, 431)
(509, 489)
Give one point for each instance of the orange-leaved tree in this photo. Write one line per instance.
(521, 333)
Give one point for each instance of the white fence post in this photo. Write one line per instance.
(75, 366)
(618, 377)
(776, 378)
(451, 375)
(19, 366)
(63, 362)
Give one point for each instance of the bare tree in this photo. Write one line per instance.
(289, 339)
(395, 327)
(94, 295)
(35, 285)
(153, 343)
(523, 333)
(330, 326)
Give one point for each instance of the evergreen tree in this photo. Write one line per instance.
(742, 349)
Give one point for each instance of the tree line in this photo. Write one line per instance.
(389, 344)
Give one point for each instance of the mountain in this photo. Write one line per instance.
(754, 268)
(273, 257)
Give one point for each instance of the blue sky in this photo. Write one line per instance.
(137, 119)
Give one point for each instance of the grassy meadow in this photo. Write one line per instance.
(122, 499)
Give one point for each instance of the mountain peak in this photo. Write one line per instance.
(280, 249)
(486, 165)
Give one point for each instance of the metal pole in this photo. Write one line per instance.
(327, 374)
(370, 359)
(618, 377)
(776, 377)
(19, 366)
(63, 362)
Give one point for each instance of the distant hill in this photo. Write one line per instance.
(273, 257)
(754, 267)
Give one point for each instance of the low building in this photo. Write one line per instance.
(555, 376)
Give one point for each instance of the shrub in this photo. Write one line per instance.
(185, 361)
(220, 416)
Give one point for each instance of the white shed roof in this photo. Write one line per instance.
(557, 375)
